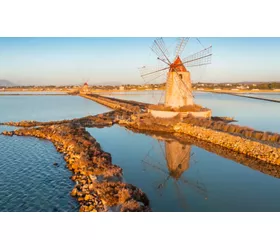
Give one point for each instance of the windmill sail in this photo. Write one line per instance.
(182, 42)
(150, 74)
(160, 50)
(202, 57)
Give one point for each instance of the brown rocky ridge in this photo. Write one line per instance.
(99, 183)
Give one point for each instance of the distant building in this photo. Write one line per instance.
(85, 88)
(121, 88)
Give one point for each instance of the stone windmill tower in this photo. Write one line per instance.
(178, 86)
(178, 91)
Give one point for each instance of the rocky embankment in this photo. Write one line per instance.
(253, 163)
(117, 104)
(224, 126)
(99, 183)
(100, 120)
(235, 142)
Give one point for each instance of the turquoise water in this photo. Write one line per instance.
(176, 177)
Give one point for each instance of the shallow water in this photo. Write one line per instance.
(28, 179)
(29, 182)
(184, 177)
(46, 108)
(175, 177)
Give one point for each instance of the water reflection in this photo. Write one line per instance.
(176, 161)
(177, 157)
(185, 174)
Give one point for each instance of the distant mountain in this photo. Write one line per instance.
(6, 83)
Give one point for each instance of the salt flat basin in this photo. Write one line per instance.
(171, 114)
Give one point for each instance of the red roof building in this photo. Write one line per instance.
(177, 65)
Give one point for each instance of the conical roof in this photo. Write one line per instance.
(178, 65)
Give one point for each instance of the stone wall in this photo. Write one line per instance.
(222, 126)
(233, 129)
(250, 148)
(114, 104)
(237, 138)
(234, 142)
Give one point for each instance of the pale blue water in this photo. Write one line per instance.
(272, 96)
(46, 108)
(28, 179)
(31, 93)
(210, 183)
(30, 182)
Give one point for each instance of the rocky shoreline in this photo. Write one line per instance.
(240, 144)
(99, 183)
(253, 163)
(100, 120)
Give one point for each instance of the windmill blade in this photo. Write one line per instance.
(182, 42)
(202, 57)
(196, 186)
(160, 50)
(150, 74)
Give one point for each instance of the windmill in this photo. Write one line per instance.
(85, 87)
(178, 90)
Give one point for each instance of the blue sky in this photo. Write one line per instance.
(62, 61)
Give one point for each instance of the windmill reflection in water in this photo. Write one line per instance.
(172, 160)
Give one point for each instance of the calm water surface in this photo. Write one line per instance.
(46, 108)
(272, 96)
(28, 179)
(183, 177)
(31, 93)
(175, 176)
